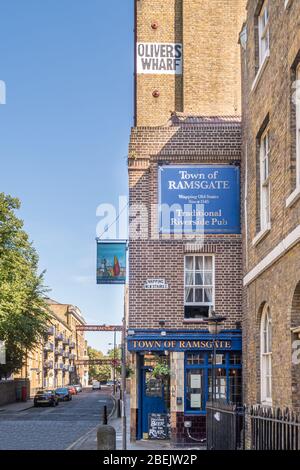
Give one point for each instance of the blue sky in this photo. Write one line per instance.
(68, 69)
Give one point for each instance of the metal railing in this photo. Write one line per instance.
(224, 426)
(274, 429)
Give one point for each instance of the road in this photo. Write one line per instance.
(47, 428)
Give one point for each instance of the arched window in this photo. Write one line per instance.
(266, 356)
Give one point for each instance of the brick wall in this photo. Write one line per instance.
(277, 285)
(273, 97)
(192, 141)
(210, 83)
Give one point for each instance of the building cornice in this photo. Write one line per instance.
(280, 250)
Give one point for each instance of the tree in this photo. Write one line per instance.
(97, 372)
(116, 353)
(23, 310)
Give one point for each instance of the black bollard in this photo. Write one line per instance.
(105, 414)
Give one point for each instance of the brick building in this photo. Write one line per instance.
(53, 363)
(271, 154)
(185, 146)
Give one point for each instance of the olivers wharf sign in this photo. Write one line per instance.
(159, 58)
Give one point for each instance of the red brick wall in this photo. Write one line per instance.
(187, 141)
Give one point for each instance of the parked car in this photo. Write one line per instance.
(110, 383)
(77, 387)
(72, 389)
(63, 394)
(96, 385)
(46, 397)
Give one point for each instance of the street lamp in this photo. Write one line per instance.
(214, 323)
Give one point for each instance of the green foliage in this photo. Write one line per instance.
(161, 370)
(23, 310)
(96, 372)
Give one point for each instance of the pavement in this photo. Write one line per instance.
(17, 406)
(89, 440)
(70, 426)
(23, 427)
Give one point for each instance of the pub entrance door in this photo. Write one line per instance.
(154, 396)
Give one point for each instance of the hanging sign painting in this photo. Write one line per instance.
(111, 262)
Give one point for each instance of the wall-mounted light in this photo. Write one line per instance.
(154, 25)
(155, 94)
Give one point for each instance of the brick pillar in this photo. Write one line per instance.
(177, 391)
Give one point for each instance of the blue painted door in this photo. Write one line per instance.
(153, 400)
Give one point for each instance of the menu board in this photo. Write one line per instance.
(158, 426)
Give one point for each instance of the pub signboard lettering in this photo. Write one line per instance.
(199, 199)
(179, 345)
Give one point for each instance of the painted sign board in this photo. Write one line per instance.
(183, 345)
(156, 284)
(158, 426)
(111, 262)
(199, 199)
(159, 58)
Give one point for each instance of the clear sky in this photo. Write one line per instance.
(64, 132)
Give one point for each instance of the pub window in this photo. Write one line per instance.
(198, 285)
(263, 32)
(264, 180)
(266, 356)
(198, 379)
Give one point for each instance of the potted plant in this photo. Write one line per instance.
(161, 371)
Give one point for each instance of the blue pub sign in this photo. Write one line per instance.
(199, 199)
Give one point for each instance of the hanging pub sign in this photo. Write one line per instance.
(159, 58)
(111, 262)
(199, 199)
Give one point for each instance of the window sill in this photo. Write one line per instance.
(260, 71)
(262, 234)
(293, 198)
(287, 4)
(267, 403)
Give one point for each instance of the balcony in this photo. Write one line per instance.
(48, 347)
(50, 331)
(59, 352)
(72, 345)
(48, 365)
(59, 337)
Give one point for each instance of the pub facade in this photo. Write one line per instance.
(185, 246)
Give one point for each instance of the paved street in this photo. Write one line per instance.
(48, 428)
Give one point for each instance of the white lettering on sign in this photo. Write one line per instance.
(159, 58)
(156, 284)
